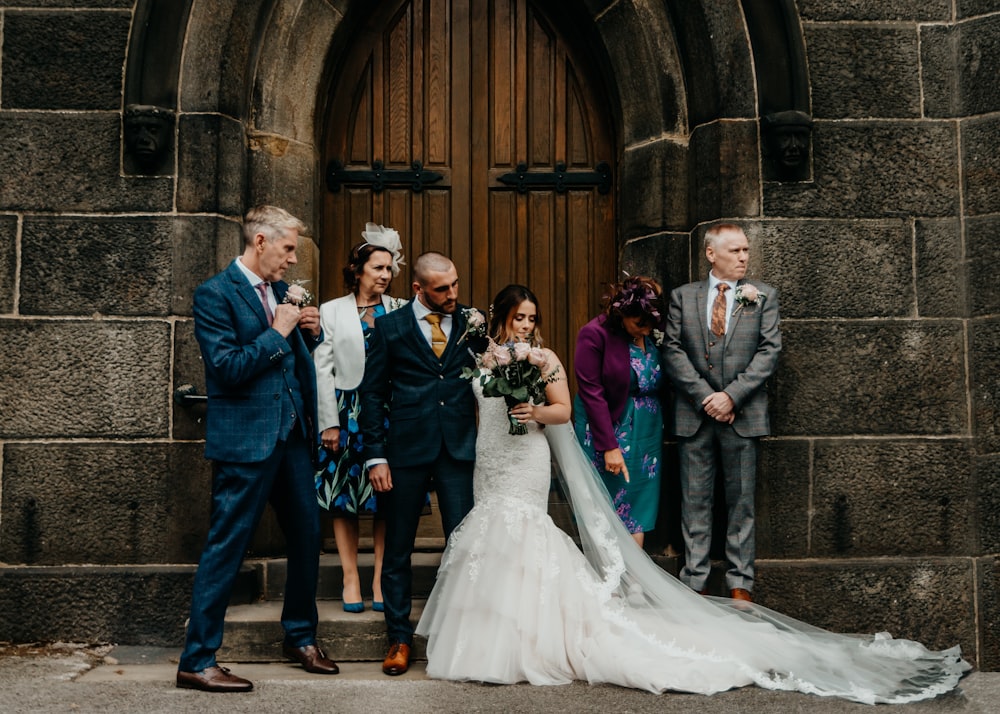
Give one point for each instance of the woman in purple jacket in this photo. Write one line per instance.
(617, 412)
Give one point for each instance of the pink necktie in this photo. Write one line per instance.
(262, 289)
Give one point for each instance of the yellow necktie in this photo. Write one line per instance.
(719, 311)
(438, 339)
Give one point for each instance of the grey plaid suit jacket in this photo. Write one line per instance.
(749, 358)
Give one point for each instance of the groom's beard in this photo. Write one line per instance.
(447, 307)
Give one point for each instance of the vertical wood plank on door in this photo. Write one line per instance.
(471, 88)
(397, 119)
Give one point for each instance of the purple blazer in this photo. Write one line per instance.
(603, 372)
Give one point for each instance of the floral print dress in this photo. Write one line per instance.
(342, 484)
(640, 437)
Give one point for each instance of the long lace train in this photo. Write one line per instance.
(516, 600)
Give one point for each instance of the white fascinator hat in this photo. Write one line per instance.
(387, 238)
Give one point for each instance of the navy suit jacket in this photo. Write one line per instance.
(413, 404)
(245, 370)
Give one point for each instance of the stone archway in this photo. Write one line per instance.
(679, 78)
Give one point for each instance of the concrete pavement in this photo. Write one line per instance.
(105, 680)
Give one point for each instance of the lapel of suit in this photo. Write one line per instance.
(249, 294)
(734, 318)
(457, 332)
(279, 288)
(702, 306)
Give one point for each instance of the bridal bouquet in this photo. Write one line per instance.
(512, 370)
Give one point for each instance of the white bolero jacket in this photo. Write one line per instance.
(340, 357)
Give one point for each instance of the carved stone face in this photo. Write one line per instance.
(789, 145)
(786, 143)
(148, 134)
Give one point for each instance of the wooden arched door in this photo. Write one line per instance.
(432, 110)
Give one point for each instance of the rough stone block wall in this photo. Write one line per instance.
(884, 405)
(878, 496)
(98, 265)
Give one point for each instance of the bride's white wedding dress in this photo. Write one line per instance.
(517, 601)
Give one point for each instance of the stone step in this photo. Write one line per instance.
(271, 575)
(254, 634)
(253, 631)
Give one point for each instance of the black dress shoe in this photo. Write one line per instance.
(312, 659)
(213, 679)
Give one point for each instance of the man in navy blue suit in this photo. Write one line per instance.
(261, 437)
(418, 416)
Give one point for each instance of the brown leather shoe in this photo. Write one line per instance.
(398, 659)
(740, 594)
(312, 659)
(213, 679)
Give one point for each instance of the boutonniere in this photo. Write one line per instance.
(657, 337)
(475, 331)
(298, 295)
(475, 323)
(747, 295)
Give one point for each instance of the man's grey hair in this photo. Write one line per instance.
(271, 221)
(712, 234)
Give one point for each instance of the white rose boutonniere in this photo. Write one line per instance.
(298, 295)
(747, 295)
(395, 303)
(475, 323)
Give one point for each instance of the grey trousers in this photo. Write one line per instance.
(713, 445)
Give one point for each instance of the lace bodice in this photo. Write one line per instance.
(509, 467)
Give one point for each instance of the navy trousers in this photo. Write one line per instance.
(240, 493)
(402, 506)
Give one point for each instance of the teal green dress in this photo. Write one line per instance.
(640, 437)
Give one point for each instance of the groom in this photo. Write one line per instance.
(418, 416)
(722, 344)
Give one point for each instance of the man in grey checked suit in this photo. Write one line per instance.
(720, 406)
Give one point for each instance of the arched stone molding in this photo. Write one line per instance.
(681, 76)
(248, 104)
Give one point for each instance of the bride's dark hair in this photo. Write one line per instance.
(506, 301)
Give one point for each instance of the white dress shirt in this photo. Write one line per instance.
(421, 311)
(256, 280)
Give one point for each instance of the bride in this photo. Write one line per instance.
(517, 601)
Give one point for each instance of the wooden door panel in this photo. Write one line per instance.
(472, 89)
(541, 91)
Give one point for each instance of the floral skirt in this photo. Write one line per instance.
(640, 437)
(342, 484)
